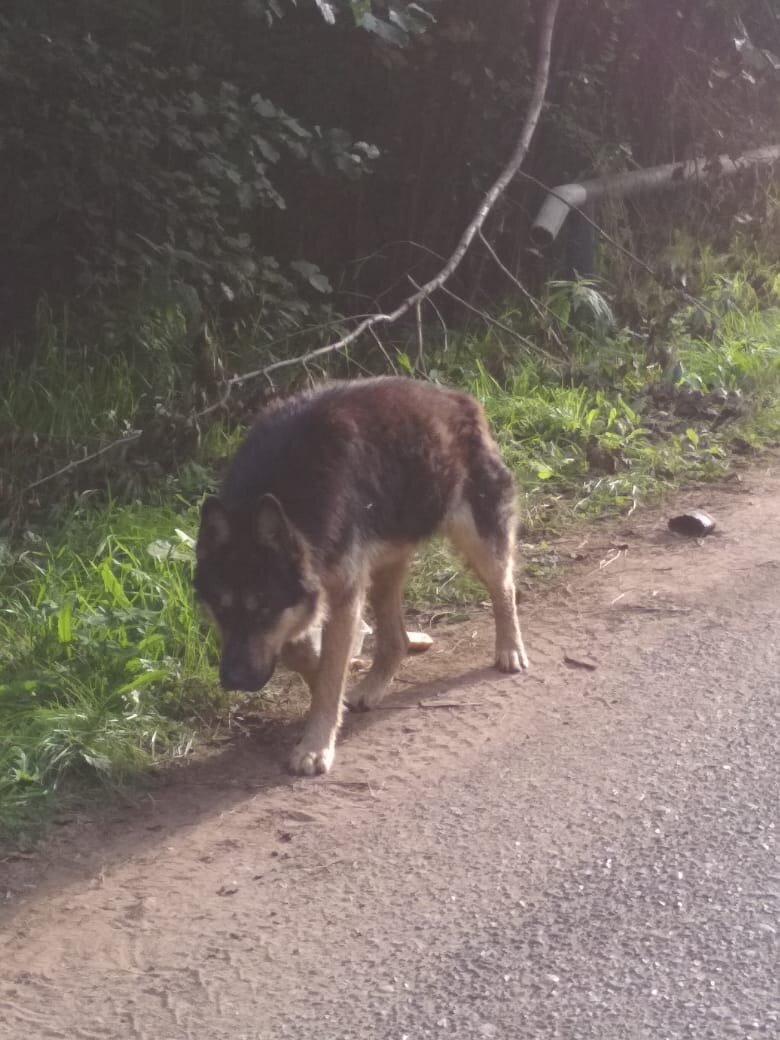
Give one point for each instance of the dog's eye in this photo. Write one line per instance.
(252, 605)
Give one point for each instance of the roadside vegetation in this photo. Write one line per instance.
(195, 192)
(107, 665)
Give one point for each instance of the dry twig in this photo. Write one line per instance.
(537, 307)
(577, 662)
(428, 705)
(688, 297)
(127, 439)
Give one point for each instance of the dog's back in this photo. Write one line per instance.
(376, 460)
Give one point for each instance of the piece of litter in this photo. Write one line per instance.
(418, 642)
(696, 524)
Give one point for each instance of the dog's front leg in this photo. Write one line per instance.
(315, 753)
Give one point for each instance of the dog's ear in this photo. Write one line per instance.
(214, 528)
(273, 528)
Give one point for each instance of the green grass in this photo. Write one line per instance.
(105, 664)
(581, 449)
(560, 432)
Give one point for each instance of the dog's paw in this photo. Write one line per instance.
(366, 694)
(308, 761)
(513, 660)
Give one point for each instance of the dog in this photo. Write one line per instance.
(324, 504)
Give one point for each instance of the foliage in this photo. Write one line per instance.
(103, 650)
(105, 664)
(196, 152)
(398, 21)
(186, 197)
(124, 169)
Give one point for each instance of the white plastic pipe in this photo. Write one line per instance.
(560, 202)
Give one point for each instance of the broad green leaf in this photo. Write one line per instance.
(313, 275)
(384, 30)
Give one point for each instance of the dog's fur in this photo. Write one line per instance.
(325, 502)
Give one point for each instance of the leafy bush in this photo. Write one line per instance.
(123, 168)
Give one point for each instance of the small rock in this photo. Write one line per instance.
(696, 524)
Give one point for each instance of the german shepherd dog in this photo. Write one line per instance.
(325, 502)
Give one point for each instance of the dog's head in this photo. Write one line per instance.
(253, 576)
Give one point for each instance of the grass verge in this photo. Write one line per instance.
(105, 665)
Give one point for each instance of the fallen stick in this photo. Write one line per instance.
(427, 705)
(577, 663)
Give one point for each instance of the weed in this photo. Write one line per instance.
(106, 664)
(102, 649)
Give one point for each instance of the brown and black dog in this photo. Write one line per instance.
(325, 502)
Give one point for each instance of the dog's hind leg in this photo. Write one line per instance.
(315, 752)
(386, 598)
(491, 554)
(301, 656)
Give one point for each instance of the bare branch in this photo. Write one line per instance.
(688, 297)
(490, 320)
(442, 322)
(127, 439)
(589, 220)
(420, 365)
(537, 307)
(541, 79)
(391, 364)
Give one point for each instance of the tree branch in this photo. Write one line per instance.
(537, 307)
(129, 438)
(509, 172)
(688, 297)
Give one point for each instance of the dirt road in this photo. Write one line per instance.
(578, 854)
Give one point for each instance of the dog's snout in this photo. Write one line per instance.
(237, 674)
(234, 677)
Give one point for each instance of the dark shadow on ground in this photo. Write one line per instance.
(91, 839)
